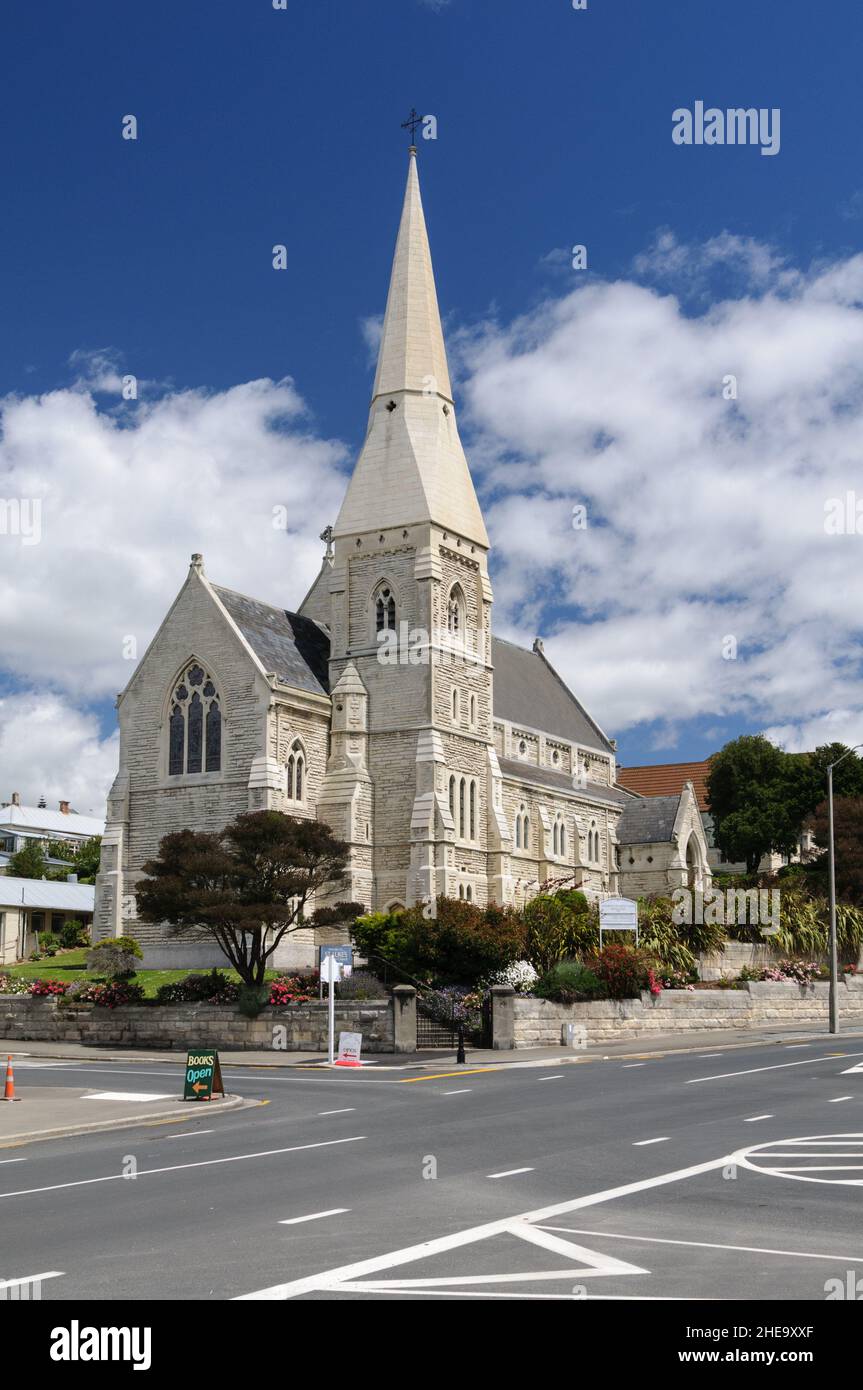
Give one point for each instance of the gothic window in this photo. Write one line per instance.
(526, 832)
(195, 725)
(468, 892)
(461, 820)
(455, 705)
(522, 829)
(473, 810)
(562, 839)
(455, 611)
(518, 832)
(452, 797)
(555, 838)
(385, 609)
(296, 772)
(473, 711)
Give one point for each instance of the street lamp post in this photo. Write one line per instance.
(831, 872)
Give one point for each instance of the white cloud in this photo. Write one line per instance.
(50, 748)
(706, 515)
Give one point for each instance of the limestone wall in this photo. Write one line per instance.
(180, 1026)
(527, 1022)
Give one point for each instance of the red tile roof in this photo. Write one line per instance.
(666, 779)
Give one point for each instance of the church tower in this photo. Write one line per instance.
(410, 614)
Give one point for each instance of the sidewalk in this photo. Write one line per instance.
(660, 1044)
(49, 1112)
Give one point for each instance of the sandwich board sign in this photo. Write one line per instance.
(350, 1045)
(618, 914)
(203, 1075)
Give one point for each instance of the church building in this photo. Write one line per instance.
(452, 762)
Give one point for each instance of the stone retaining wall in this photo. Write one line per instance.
(522, 1021)
(384, 1023)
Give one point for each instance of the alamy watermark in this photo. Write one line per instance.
(737, 125)
(22, 517)
(718, 907)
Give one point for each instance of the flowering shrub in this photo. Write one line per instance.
(676, 979)
(47, 987)
(520, 976)
(624, 971)
(10, 985)
(212, 988)
(803, 972)
(111, 995)
(289, 989)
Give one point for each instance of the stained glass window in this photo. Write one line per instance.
(195, 725)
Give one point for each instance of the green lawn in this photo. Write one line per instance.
(71, 965)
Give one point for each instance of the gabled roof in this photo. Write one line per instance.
(294, 648)
(55, 824)
(529, 692)
(649, 820)
(43, 893)
(664, 779)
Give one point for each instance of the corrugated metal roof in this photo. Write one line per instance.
(529, 693)
(43, 893)
(663, 779)
(52, 823)
(294, 648)
(649, 820)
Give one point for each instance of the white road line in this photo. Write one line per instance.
(459, 1093)
(705, 1244)
(189, 1134)
(510, 1172)
(778, 1066)
(704, 1055)
(557, 1077)
(629, 1065)
(789, 1047)
(13, 1160)
(836, 1099)
(753, 1119)
(332, 1278)
(180, 1167)
(640, 1143)
(315, 1216)
(349, 1110)
(31, 1279)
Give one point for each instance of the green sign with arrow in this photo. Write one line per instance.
(203, 1076)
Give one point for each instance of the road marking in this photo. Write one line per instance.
(13, 1160)
(706, 1244)
(557, 1077)
(704, 1055)
(31, 1279)
(820, 1149)
(849, 1070)
(753, 1119)
(778, 1066)
(439, 1075)
(836, 1099)
(463, 1092)
(789, 1047)
(315, 1216)
(128, 1095)
(640, 1143)
(180, 1167)
(629, 1065)
(510, 1172)
(349, 1110)
(332, 1279)
(190, 1134)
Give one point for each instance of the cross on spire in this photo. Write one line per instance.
(411, 124)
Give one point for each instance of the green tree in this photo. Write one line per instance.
(847, 777)
(85, 859)
(245, 887)
(28, 862)
(759, 797)
(847, 842)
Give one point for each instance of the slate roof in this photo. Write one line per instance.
(560, 781)
(663, 779)
(43, 893)
(294, 648)
(530, 693)
(649, 820)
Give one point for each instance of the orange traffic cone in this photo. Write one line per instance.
(9, 1092)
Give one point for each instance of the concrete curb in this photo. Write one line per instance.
(129, 1122)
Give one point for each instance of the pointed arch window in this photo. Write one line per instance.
(522, 829)
(296, 776)
(455, 611)
(385, 609)
(555, 838)
(473, 810)
(195, 724)
(452, 797)
(461, 820)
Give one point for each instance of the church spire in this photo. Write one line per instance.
(412, 355)
(412, 467)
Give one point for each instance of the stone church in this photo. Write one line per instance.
(452, 762)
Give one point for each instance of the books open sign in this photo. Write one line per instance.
(203, 1076)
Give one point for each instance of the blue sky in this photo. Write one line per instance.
(259, 126)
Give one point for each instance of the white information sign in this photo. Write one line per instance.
(618, 914)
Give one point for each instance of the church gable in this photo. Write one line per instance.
(293, 648)
(528, 692)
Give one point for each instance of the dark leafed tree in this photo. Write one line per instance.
(245, 888)
(848, 844)
(759, 797)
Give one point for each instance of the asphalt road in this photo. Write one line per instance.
(662, 1178)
